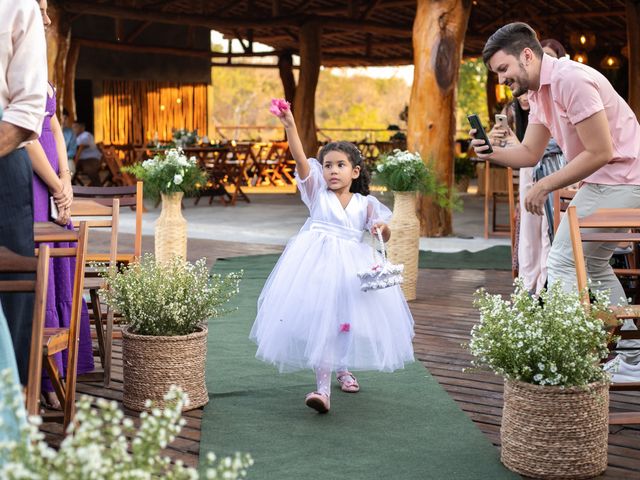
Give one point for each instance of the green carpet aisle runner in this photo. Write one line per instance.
(401, 426)
(492, 258)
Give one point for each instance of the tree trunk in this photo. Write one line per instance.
(633, 36)
(492, 100)
(58, 40)
(438, 36)
(285, 66)
(305, 100)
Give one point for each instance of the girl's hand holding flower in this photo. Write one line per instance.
(282, 109)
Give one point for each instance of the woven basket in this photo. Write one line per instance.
(171, 229)
(551, 432)
(152, 364)
(404, 245)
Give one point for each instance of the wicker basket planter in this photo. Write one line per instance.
(404, 245)
(550, 432)
(171, 229)
(152, 364)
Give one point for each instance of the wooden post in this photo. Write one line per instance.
(438, 36)
(305, 100)
(285, 66)
(633, 37)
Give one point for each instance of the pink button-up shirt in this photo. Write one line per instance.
(571, 92)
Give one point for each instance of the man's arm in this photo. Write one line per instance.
(26, 75)
(525, 154)
(598, 151)
(11, 136)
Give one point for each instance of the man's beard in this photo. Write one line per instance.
(522, 81)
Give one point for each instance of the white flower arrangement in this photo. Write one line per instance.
(169, 172)
(168, 298)
(550, 340)
(102, 444)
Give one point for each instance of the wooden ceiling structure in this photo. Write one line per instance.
(430, 34)
(354, 33)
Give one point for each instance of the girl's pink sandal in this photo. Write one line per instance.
(317, 401)
(348, 383)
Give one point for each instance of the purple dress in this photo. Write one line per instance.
(61, 270)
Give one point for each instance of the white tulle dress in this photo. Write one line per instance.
(311, 312)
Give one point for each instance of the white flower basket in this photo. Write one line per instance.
(382, 274)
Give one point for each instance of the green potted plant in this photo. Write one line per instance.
(104, 444)
(406, 174)
(170, 175)
(165, 306)
(463, 170)
(556, 396)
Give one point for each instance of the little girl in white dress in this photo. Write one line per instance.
(311, 312)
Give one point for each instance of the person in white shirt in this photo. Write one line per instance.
(89, 156)
(23, 94)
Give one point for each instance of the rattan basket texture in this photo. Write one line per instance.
(404, 245)
(171, 229)
(151, 364)
(555, 433)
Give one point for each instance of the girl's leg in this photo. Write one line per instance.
(323, 381)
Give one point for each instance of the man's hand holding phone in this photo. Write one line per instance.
(480, 141)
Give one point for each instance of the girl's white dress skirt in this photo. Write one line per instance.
(312, 313)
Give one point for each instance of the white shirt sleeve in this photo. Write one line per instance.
(26, 70)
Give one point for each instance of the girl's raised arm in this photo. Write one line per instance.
(283, 112)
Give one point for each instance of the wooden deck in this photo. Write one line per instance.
(444, 317)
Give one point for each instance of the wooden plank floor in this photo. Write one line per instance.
(444, 315)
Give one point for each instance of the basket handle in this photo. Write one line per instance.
(382, 249)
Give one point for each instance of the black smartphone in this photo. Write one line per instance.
(480, 133)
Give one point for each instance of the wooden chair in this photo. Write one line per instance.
(11, 262)
(513, 188)
(98, 215)
(608, 222)
(56, 340)
(494, 197)
(235, 171)
(128, 196)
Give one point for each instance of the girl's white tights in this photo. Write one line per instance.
(323, 380)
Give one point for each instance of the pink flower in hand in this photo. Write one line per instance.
(345, 327)
(279, 106)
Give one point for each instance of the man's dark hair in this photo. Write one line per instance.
(512, 39)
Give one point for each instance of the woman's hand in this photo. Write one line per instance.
(64, 215)
(64, 195)
(503, 137)
(383, 228)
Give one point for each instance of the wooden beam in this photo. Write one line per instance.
(122, 47)
(137, 31)
(249, 65)
(633, 35)
(370, 8)
(219, 23)
(275, 8)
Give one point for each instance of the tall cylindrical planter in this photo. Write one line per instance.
(553, 432)
(152, 364)
(404, 245)
(171, 229)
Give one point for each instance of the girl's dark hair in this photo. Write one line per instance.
(512, 39)
(359, 185)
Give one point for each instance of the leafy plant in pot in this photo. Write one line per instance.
(165, 306)
(556, 396)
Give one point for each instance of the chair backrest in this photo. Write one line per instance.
(98, 215)
(561, 200)
(11, 262)
(131, 196)
(603, 219)
(513, 188)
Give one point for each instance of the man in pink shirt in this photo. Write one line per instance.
(595, 128)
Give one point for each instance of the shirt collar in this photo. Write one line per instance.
(546, 68)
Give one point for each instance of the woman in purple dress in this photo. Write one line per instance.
(52, 179)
